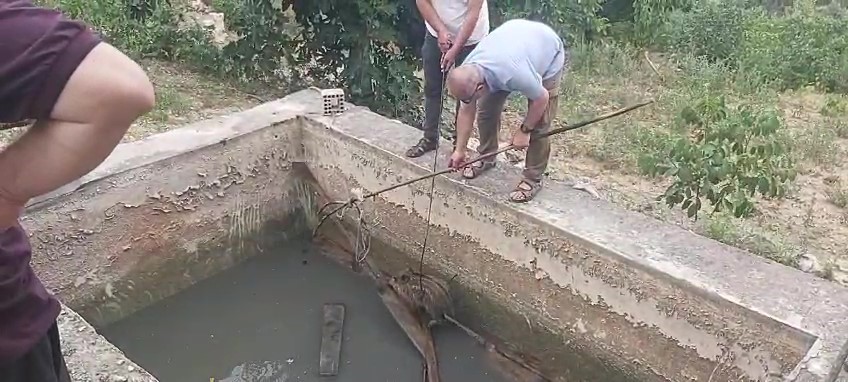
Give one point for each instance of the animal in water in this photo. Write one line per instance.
(429, 295)
(410, 320)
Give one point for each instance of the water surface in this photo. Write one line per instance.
(263, 318)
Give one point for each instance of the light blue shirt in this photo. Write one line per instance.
(518, 55)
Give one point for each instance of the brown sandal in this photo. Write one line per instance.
(525, 191)
(423, 146)
(477, 168)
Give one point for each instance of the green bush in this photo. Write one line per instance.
(788, 52)
(725, 158)
(576, 20)
(796, 51)
(363, 46)
(132, 27)
(711, 30)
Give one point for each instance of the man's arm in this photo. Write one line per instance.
(536, 109)
(465, 123)
(474, 8)
(529, 83)
(105, 95)
(429, 14)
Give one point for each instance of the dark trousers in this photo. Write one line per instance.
(433, 75)
(44, 363)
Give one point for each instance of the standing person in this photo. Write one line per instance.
(519, 56)
(84, 94)
(454, 27)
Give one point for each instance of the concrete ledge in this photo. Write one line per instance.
(157, 216)
(598, 293)
(660, 302)
(132, 237)
(90, 357)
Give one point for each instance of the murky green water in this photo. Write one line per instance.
(263, 319)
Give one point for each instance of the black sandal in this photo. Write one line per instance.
(423, 146)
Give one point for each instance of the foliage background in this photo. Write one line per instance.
(371, 47)
(744, 52)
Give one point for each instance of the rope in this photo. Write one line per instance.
(432, 188)
(512, 147)
(363, 242)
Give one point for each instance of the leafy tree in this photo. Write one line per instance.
(727, 158)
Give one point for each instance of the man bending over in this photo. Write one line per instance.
(84, 94)
(519, 56)
(453, 29)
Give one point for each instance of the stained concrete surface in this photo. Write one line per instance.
(263, 318)
(656, 296)
(90, 357)
(666, 301)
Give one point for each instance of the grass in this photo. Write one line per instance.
(811, 220)
(170, 103)
(183, 96)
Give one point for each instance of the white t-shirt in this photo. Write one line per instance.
(454, 12)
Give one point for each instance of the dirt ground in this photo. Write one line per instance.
(808, 229)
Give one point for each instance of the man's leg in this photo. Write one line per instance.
(539, 152)
(460, 58)
(432, 57)
(489, 110)
(44, 363)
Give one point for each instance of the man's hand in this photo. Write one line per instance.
(457, 159)
(445, 41)
(520, 139)
(449, 57)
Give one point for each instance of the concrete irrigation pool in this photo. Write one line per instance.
(166, 226)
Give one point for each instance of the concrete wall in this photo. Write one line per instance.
(159, 215)
(598, 293)
(648, 300)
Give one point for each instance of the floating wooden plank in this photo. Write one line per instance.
(331, 339)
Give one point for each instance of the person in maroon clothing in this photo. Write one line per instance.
(83, 94)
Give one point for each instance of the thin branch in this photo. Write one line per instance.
(653, 67)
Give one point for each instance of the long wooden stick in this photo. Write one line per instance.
(511, 147)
